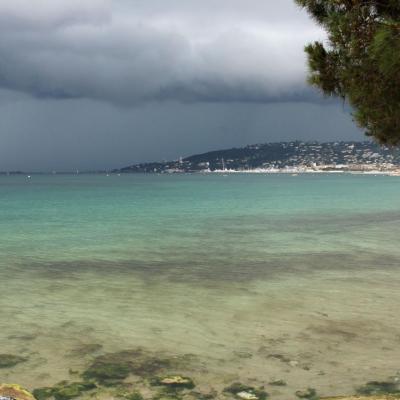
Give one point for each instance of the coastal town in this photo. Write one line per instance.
(284, 157)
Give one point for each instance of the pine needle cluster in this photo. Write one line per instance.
(361, 60)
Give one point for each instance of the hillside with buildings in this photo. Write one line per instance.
(281, 157)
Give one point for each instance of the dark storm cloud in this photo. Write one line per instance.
(87, 84)
(128, 52)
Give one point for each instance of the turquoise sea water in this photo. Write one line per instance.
(257, 277)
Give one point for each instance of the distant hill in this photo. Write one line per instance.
(277, 155)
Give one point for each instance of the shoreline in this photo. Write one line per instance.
(299, 171)
(215, 172)
(114, 376)
(140, 374)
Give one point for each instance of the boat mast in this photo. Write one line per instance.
(223, 164)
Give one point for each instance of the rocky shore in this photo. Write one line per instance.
(137, 374)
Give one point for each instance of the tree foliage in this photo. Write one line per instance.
(361, 61)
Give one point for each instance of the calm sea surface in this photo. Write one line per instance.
(257, 277)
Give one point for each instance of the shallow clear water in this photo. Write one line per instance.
(257, 277)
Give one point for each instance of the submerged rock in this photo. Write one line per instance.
(107, 373)
(43, 393)
(167, 395)
(247, 396)
(379, 397)
(280, 357)
(279, 382)
(246, 392)
(134, 396)
(375, 387)
(310, 394)
(176, 382)
(202, 396)
(86, 349)
(243, 354)
(152, 365)
(63, 390)
(10, 360)
(15, 392)
(72, 390)
(112, 368)
(73, 372)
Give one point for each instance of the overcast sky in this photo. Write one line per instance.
(106, 83)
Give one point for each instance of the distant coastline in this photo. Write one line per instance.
(348, 169)
(284, 157)
(269, 158)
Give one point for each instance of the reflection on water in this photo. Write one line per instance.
(249, 279)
